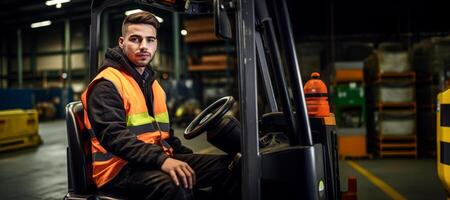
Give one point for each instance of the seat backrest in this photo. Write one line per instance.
(79, 158)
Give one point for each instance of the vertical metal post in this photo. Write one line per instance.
(33, 59)
(176, 45)
(19, 58)
(302, 119)
(2, 56)
(265, 73)
(251, 166)
(67, 57)
(94, 37)
(105, 30)
(230, 62)
(276, 59)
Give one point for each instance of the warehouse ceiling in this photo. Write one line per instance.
(378, 17)
(319, 17)
(23, 12)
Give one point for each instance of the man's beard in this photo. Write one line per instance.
(152, 56)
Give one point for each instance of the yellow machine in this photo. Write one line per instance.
(19, 129)
(443, 139)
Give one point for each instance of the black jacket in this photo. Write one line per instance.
(108, 117)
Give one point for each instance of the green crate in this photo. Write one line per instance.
(349, 103)
(351, 94)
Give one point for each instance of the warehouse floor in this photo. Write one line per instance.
(40, 173)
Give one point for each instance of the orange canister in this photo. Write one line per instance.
(316, 95)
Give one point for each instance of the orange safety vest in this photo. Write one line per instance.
(148, 129)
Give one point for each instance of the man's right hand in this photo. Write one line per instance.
(179, 169)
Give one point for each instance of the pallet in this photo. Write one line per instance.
(20, 142)
(379, 76)
(408, 74)
(396, 146)
(368, 156)
(400, 105)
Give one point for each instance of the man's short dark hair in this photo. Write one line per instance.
(143, 17)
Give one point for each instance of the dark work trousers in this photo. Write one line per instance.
(135, 182)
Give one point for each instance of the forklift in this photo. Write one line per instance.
(305, 167)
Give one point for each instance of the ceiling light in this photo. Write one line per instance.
(41, 24)
(184, 32)
(160, 20)
(58, 3)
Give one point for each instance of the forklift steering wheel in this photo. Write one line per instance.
(209, 117)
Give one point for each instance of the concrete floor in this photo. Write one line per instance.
(40, 173)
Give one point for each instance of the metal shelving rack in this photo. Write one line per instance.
(382, 139)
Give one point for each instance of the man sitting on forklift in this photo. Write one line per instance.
(134, 150)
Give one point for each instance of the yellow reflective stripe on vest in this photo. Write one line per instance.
(139, 119)
(162, 117)
(145, 118)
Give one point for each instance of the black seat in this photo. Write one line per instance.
(79, 158)
(79, 161)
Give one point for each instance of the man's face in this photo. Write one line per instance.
(139, 43)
